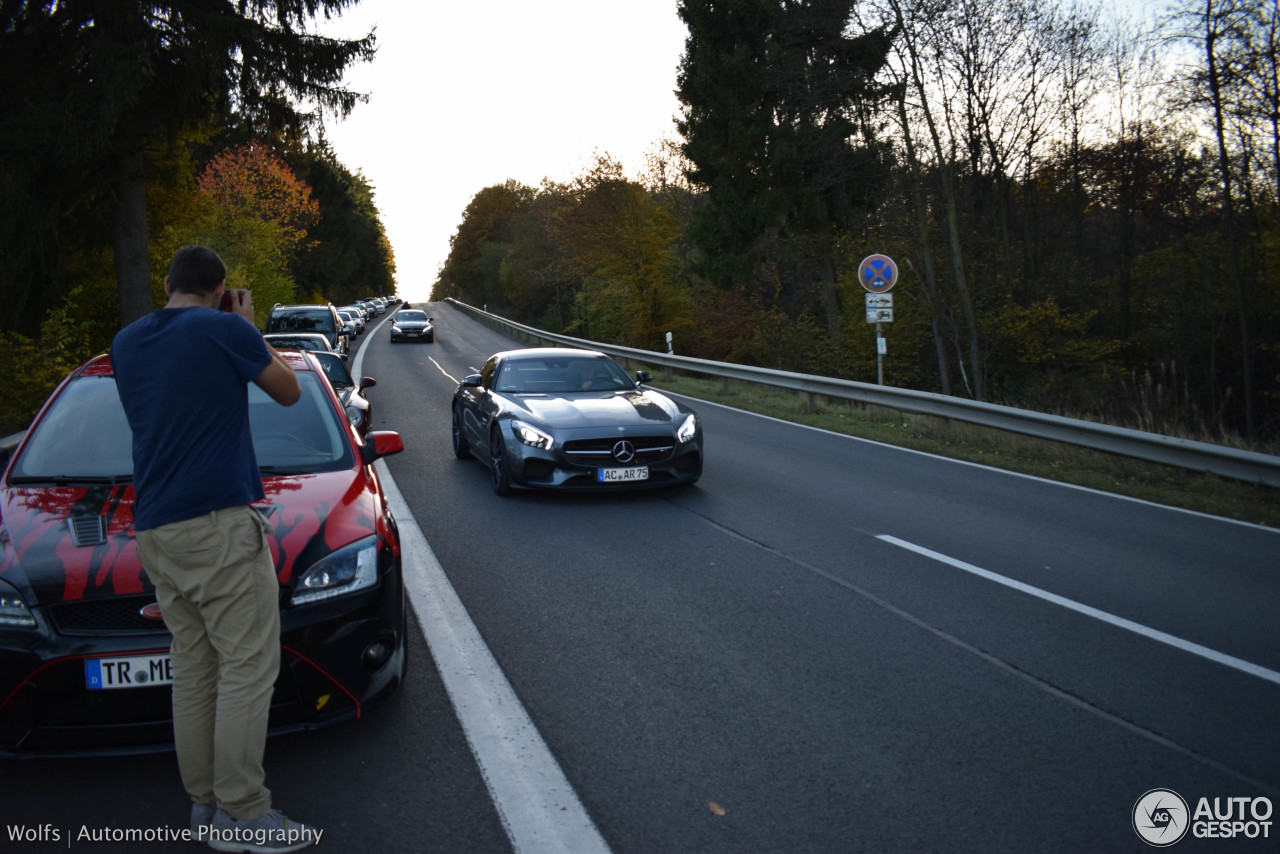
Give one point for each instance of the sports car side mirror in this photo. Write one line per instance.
(643, 376)
(380, 443)
(472, 381)
(368, 382)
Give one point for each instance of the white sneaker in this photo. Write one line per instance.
(201, 816)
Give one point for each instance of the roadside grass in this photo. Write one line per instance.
(1205, 493)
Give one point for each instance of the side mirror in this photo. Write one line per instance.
(471, 381)
(643, 376)
(368, 382)
(380, 443)
(342, 356)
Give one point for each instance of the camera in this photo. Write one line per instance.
(228, 301)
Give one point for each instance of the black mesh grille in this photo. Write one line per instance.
(117, 615)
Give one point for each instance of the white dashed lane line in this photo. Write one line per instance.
(1111, 619)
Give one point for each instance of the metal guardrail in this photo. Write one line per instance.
(1167, 450)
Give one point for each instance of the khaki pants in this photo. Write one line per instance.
(216, 585)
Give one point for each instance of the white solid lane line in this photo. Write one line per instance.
(538, 807)
(1070, 604)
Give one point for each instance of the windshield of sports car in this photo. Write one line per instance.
(411, 316)
(561, 375)
(85, 437)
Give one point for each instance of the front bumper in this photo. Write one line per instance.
(326, 676)
(575, 458)
(427, 335)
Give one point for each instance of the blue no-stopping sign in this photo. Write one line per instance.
(877, 273)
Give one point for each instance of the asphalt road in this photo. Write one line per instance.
(798, 654)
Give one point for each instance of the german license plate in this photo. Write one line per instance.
(134, 671)
(622, 475)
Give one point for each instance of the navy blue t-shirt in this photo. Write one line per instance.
(183, 376)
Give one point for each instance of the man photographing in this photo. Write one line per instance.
(183, 373)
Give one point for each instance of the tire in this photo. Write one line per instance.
(460, 448)
(499, 470)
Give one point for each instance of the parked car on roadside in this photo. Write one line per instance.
(322, 319)
(350, 393)
(298, 341)
(355, 323)
(84, 654)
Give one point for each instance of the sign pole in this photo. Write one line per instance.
(878, 275)
(880, 348)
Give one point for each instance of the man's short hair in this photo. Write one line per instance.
(196, 270)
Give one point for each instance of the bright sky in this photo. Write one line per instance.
(464, 95)
(467, 94)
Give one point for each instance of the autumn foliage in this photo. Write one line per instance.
(251, 181)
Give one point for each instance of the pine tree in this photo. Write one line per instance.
(88, 85)
(779, 121)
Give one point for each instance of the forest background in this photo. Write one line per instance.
(1083, 210)
(130, 132)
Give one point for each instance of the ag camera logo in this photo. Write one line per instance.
(1160, 817)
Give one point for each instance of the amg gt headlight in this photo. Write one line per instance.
(532, 436)
(13, 610)
(350, 568)
(688, 429)
(354, 415)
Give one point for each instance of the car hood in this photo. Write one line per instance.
(600, 409)
(77, 542)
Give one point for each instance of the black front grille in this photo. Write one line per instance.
(119, 615)
(599, 452)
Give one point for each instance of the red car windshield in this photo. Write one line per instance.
(84, 436)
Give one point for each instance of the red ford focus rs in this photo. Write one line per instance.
(84, 664)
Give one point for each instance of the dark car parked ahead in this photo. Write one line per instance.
(84, 655)
(350, 393)
(299, 341)
(323, 319)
